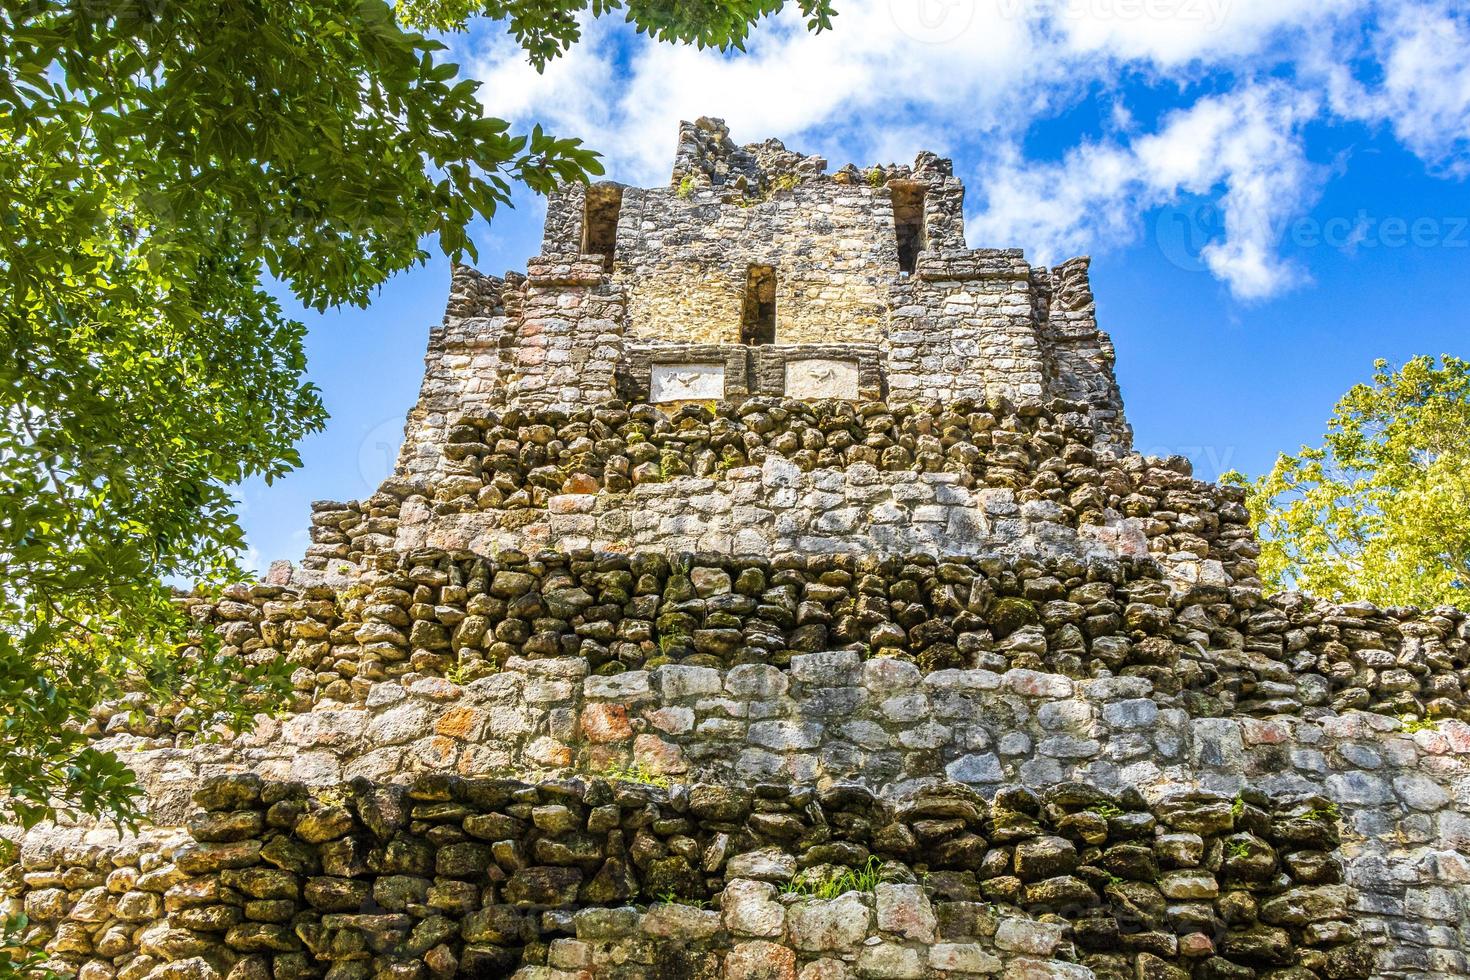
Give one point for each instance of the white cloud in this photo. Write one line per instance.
(975, 76)
(1421, 85)
(1172, 33)
(1246, 144)
(573, 91)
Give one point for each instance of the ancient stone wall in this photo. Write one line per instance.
(683, 252)
(865, 649)
(756, 273)
(463, 368)
(763, 474)
(494, 878)
(1079, 355)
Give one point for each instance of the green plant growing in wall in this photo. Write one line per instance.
(671, 641)
(350, 593)
(875, 177)
(864, 879)
(674, 898)
(459, 671)
(1411, 724)
(686, 187)
(1328, 811)
(668, 465)
(638, 773)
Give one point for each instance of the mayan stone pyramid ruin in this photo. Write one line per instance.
(767, 590)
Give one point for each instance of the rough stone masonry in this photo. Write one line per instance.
(766, 590)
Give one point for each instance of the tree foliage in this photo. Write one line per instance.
(1381, 510)
(157, 157)
(548, 28)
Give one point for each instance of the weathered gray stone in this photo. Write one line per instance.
(905, 910)
(831, 926)
(976, 768)
(1029, 937)
(749, 909)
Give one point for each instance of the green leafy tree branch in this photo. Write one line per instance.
(1381, 510)
(157, 158)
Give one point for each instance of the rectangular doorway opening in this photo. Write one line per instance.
(908, 222)
(600, 222)
(758, 318)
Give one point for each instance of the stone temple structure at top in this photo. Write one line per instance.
(767, 590)
(756, 274)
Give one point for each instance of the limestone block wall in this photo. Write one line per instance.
(683, 251)
(1023, 480)
(777, 509)
(1210, 650)
(832, 248)
(834, 720)
(967, 326)
(942, 324)
(492, 877)
(568, 328)
(706, 155)
(464, 370)
(1079, 356)
(831, 716)
(963, 328)
(1165, 693)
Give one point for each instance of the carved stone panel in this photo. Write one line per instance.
(817, 377)
(687, 382)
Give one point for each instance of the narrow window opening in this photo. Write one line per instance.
(908, 222)
(758, 319)
(600, 222)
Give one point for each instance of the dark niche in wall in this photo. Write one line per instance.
(758, 318)
(908, 222)
(600, 221)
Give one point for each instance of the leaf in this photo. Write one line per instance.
(1381, 510)
(152, 168)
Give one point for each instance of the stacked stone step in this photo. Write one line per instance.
(1212, 650)
(574, 878)
(507, 469)
(1103, 673)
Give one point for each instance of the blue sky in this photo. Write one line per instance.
(1274, 192)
